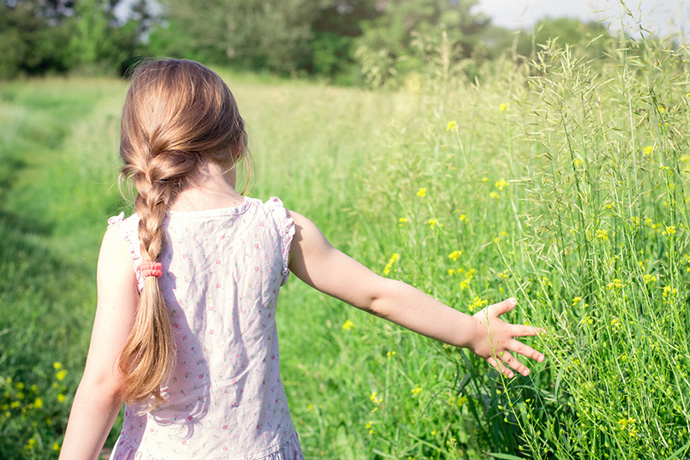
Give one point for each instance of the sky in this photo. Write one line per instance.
(663, 17)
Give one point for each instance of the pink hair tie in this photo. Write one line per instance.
(150, 268)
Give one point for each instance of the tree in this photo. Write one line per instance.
(271, 35)
(398, 40)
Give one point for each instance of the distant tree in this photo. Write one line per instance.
(273, 35)
(334, 36)
(590, 38)
(390, 43)
(32, 37)
(39, 36)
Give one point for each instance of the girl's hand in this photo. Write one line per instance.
(495, 339)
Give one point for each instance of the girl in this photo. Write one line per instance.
(185, 328)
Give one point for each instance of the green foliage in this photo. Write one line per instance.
(249, 33)
(386, 50)
(564, 182)
(30, 43)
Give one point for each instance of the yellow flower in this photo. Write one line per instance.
(434, 223)
(57, 365)
(56, 446)
(503, 107)
(455, 255)
(616, 324)
(402, 221)
(38, 403)
(463, 218)
(61, 374)
(501, 184)
(494, 195)
(649, 278)
(61, 398)
(19, 386)
(375, 399)
(603, 235)
(661, 108)
(648, 150)
(615, 284)
(576, 300)
(452, 126)
(421, 192)
(670, 230)
(416, 391)
(390, 354)
(348, 325)
(387, 269)
(310, 407)
(477, 303)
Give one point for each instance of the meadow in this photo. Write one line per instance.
(560, 181)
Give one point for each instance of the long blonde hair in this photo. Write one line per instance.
(178, 115)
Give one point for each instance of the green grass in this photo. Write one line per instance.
(563, 182)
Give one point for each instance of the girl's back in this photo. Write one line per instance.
(222, 269)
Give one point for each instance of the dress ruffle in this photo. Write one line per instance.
(125, 225)
(287, 230)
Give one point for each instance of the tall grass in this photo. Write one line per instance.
(563, 182)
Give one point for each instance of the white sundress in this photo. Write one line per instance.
(222, 270)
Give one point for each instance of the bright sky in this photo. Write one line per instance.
(665, 17)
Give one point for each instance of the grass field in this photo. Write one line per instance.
(565, 183)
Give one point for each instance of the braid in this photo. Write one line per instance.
(148, 356)
(177, 116)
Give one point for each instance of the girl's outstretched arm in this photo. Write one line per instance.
(97, 401)
(316, 262)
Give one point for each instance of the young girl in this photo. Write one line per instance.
(185, 329)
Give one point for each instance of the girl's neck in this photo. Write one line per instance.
(212, 188)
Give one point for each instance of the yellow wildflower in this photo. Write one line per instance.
(648, 150)
(649, 278)
(421, 192)
(494, 195)
(61, 374)
(402, 221)
(670, 230)
(387, 269)
(57, 365)
(455, 255)
(477, 303)
(463, 218)
(390, 354)
(433, 222)
(56, 446)
(503, 107)
(603, 235)
(38, 403)
(416, 391)
(501, 184)
(61, 398)
(348, 325)
(615, 284)
(452, 126)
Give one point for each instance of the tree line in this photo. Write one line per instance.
(372, 42)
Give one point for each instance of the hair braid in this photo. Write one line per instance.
(178, 115)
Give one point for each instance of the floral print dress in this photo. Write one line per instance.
(222, 270)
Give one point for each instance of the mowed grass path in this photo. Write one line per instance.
(563, 182)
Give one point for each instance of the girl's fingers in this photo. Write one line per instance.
(514, 363)
(520, 330)
(527, 351)
(504, 307)
(499, 367)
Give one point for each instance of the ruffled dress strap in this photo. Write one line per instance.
(286, 228)
(129, 229)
